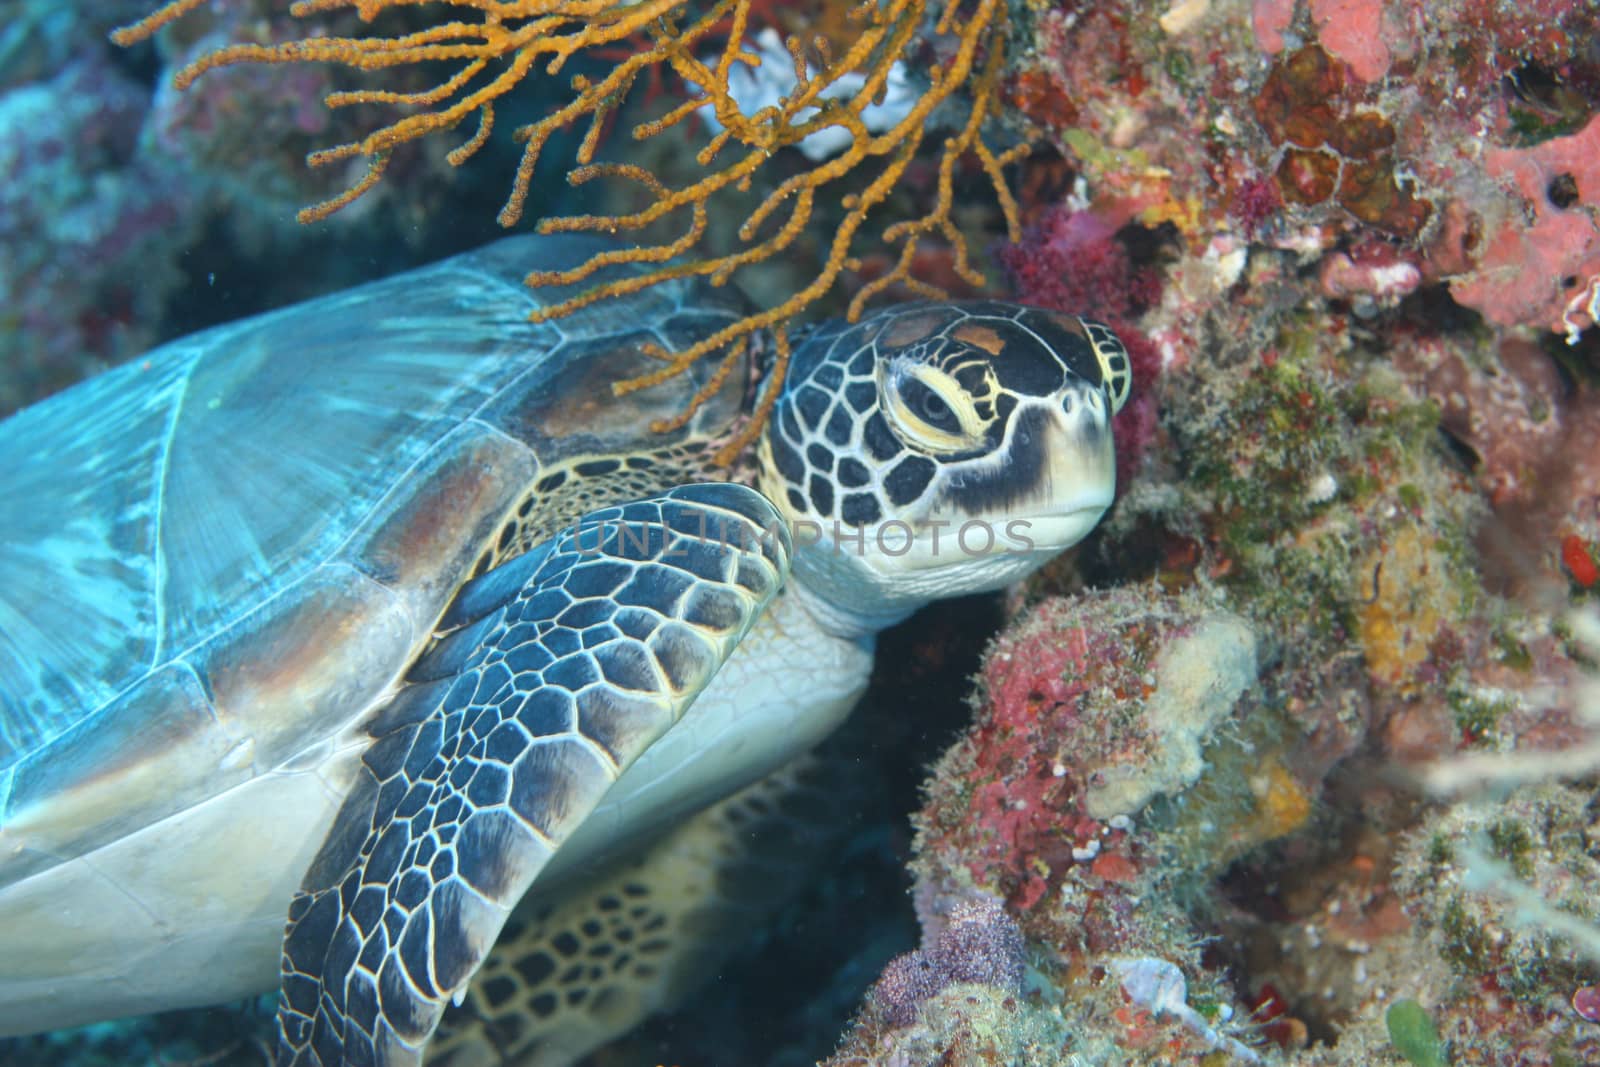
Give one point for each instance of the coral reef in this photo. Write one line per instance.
(1543, 836)
(1372, 450)
(1088, 710)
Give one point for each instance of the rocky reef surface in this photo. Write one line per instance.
(1295, 760)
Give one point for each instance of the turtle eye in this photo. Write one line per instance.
(932, 412)
(932, 408)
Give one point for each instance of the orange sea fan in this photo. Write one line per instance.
(510, 41)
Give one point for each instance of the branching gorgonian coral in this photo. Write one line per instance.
(494, 46)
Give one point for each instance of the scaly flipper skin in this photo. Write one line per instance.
(557, 670)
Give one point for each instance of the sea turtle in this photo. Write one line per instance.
(377, 610)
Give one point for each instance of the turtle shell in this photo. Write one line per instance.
(220, 557)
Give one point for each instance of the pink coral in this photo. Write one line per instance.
(1352, 30)
(1270, 19)
(1586, 1002)
(1535, 272)
(906, 981)
(1072, 261)
(1255, 202)
(1065, 699)
(1137, 425)
(981, 943)
(1372, 275)
(978, 943)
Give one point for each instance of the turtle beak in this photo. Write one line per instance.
(1057, 468)
(1065, 461)
(1040, 492)
(1080, 461)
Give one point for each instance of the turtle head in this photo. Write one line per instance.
(934, 450)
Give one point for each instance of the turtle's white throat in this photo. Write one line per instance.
(859, 585)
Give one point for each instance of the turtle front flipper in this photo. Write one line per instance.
(556, 671)
(641, 933)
